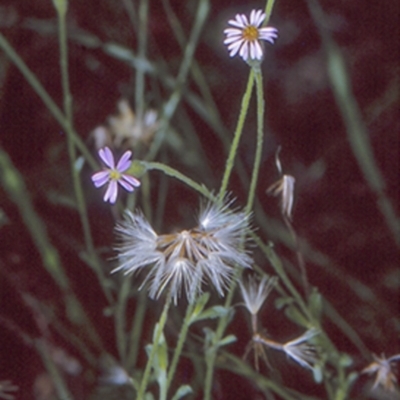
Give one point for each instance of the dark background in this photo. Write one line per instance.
(335, 210)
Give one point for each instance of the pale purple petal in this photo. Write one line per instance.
(127, 186)
(231, 39)
(124, 163)
(257, 52)
(243, 18)
(131, 180)
(256, 18)
(111, 193)
(238, 23)
(244, 51)
(234, 48)
(100, 178)
(233, 32)
(269, 34)
(107, 156)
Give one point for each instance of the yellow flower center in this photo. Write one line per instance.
(115, 175)
(250, 33)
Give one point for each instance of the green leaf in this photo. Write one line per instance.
(227, 340)
(283, 302)
(199, 306)
(317, 372)
(214, 312)
(315, 302)
(293, 313)
(182, 391)
(345, 360)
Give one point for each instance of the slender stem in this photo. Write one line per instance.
(120, 318)
(280, 271)
(142, 44)
(352, 117)
(136, 329)
(61, 7)
(56, 377)
(172, 103)
(178, 175)
(268, 10)
(237, 136)
(47, 100)
(300, 258)
(179, 345)
(260, 140)
(159, 330)
(222, 323)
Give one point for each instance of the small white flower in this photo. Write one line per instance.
(255, 292)
(209, 252)
(244, 38)
(301, 351)
(383, 368)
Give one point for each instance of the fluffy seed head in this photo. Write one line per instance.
(207, 253)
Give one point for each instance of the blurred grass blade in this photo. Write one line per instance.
(351, 114)
(14, 185)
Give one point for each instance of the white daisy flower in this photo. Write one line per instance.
(244, 38)
(209, 252)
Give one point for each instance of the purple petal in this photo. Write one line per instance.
(233, 31)
(234, 47)
(256, 18)
(100, 178)
(111, 193)
(129, 182)
(238, 23)
(232, 39)
(107, 156)
(124, 163)
(243, 19)
(244, 51)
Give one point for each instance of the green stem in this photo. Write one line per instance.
(136, 329)
(12, 181)
(120, 318)
(268, 10)
(237, 136)
(56, 377)
(351, 114)
(159, 330)
(61, 7)
(47, 100)
(177, 175)
(260, 140)
(179, 345)
(171, 105)
(222, 324)
(280, 271)
(142, 45)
